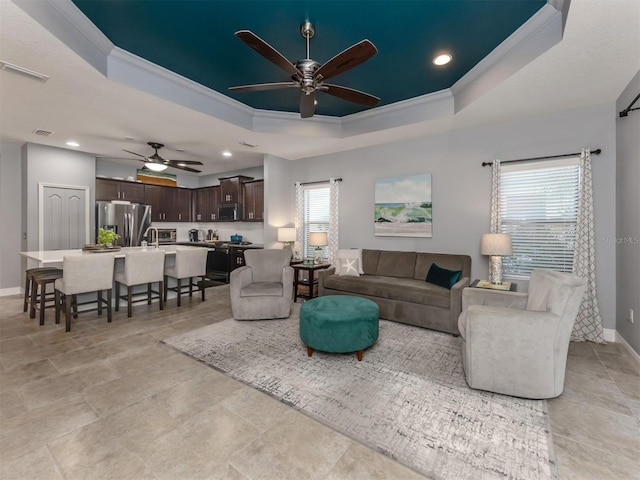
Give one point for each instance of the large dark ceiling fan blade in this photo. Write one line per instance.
(350, 94)
(264, 86)
(307, 104)
(346, 60)
(186, 169)
(184, 162)
(134, 153)
(267, 51)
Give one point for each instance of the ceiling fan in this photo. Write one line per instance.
(157, 163)
(308, 75)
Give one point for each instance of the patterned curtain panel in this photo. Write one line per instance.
(299, 224)
(495, 200)
(334, 223)
(588, 324)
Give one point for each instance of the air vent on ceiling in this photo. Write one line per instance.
(43, 133)
(245, 144)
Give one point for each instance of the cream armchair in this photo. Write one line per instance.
(262, 289)
(516, 343)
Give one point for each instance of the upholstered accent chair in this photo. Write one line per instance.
(84, 274)
(263, 288)
(516, 343)
(141, 268)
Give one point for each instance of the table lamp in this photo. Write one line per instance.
(318, 240)
(496, 245)
(286, 235)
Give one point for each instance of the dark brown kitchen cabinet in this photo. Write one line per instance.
(254, 201)
(205, 204)
(231, 188)
(168, 204)
(108, 189)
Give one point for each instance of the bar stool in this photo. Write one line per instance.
(90, 272)
(190, 263)
(139, 268)
(28, 284)
(41, 279)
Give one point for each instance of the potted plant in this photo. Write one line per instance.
(107, 238)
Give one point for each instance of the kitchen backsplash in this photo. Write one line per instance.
(251, 231)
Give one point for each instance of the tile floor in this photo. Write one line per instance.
(110, 401)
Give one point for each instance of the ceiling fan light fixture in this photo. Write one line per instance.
(442, 59)
(155, 167)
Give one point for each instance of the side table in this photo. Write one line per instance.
(513, 286)
(311, 282)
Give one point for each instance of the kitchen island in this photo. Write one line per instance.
(52, 258)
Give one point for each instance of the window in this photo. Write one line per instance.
(539, 208)
(316, 216)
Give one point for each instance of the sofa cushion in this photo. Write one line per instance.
(393, 288)
(396, 264)
(443, 276)
(262, 289)
(450, 262)
(370, 261)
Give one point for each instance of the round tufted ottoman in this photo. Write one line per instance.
(339, 324)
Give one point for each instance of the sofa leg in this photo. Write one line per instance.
(359, 355)
(309, 351)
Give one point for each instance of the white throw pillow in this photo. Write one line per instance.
(351, 253)
(348, 267)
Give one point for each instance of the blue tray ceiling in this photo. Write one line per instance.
(196, 40)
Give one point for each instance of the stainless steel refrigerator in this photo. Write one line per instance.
(130, 221)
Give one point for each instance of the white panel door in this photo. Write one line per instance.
(64, 218)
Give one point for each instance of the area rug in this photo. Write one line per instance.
(407, 398)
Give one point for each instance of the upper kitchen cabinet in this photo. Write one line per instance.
(254, 201)
(231, 188)
(205, 204)
(168, 204)
(108, 189)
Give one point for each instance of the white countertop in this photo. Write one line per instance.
(56, 256)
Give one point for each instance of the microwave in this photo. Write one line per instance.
(166, 236)
(230, 212)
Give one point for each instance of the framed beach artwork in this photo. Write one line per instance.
(403, 206)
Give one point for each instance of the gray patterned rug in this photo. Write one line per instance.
(407, 398)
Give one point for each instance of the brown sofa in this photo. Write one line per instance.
(396, 282)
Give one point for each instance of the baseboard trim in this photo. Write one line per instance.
(5, 292)
(632, 352)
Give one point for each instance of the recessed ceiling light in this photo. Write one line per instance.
(442, 59)
(226, 153)
(73, 144)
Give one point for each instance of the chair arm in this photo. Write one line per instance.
(496, 298)
(240, 278)
(287, 280)
(455, 297)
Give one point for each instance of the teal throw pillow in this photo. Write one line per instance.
(442, 276)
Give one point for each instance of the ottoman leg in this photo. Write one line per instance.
(309, 351)
(359, 354)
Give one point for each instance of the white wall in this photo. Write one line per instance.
(10, 218)
(461, 186)
(53, 165)
(628, 216)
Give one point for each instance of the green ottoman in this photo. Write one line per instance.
(339, 324)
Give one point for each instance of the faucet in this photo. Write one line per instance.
(157, 244)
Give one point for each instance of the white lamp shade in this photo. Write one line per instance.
(156, 167)
(318, 239)
(498, 244)
(286, 234)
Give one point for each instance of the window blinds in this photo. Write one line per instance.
(316, 216)
(539, 208)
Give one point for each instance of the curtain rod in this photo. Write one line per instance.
(320, 181)
(595, 152)
(626, 111)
